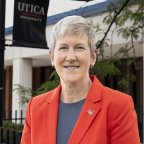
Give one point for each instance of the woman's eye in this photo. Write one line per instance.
(80, 48)
(62, 48)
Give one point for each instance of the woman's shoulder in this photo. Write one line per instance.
(116, 99)
(43, 96)
(110, 96)
(41, 100)
(114, 93)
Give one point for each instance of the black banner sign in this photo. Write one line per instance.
(30, 23)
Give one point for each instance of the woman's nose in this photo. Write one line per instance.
(71, 55)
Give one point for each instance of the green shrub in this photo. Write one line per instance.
(11, 127)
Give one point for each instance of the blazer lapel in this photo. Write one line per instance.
(90, 110)
(50, 117)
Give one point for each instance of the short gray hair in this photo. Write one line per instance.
(75, 25)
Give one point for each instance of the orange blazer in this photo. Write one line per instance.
(107, 117)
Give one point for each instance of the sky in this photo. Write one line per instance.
(55, 7)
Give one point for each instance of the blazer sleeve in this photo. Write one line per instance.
(124, 128)
(26, 135)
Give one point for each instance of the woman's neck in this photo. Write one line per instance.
(71, 93)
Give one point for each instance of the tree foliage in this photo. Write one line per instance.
(24, 92)
(126, 20)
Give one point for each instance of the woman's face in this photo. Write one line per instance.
(72, 58)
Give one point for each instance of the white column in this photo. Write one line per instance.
(22, 74)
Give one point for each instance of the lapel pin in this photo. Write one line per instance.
(90, 112)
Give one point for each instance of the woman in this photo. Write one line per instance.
(80, 110)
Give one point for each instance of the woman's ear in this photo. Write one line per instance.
(93, 57)
(51, 58)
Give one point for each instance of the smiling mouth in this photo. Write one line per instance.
(71, 67)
